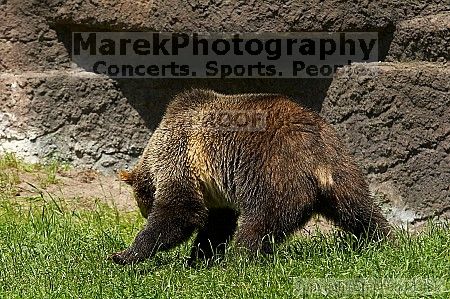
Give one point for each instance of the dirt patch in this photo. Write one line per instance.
(84, 189)
(81, 188)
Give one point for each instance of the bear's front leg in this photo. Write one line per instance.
(170, 223)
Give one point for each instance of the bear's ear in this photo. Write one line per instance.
(126, 176)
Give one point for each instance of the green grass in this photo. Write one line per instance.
(12, 168)
(50, 250)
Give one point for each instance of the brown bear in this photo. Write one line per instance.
(256, 166)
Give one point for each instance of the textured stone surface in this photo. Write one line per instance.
(79, 117)
(217, 15)
(32, 32)
(27, 43)
(395, 116)
(95, 121)
(423, 38)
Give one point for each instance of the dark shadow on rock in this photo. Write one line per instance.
(385, 38)
(150, 96)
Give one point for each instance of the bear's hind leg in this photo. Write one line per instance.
(273, 212)
(350, 206)
(260, 232)
(213, 237)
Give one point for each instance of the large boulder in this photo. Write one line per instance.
(246, 16)
(27, 43)
(35, 35)
(395, 119)
(422, 38)
(79, 117)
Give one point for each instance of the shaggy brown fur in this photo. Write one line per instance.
(259, 176)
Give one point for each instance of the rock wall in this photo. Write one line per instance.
(423, 38)
(396, 117)
(397, 122)
(393, 115)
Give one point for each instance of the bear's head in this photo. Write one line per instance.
(143, 188)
